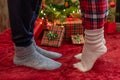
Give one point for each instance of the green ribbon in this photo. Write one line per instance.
(77, 37)
(51, 36)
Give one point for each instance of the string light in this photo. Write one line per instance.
(41, 11)
(79, 10)
(54, 9)
(64, 10)
(44, 14)
(73, 11)
(42, 17)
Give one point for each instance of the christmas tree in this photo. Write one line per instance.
(59, 9)
(111, 11)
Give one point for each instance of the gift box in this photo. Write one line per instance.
(40, 25)
(72, 28)
(73, 20)
(53, 37)
(110, 27)
(38, 28)
(77, 39)
(76, 15)
(46, 24)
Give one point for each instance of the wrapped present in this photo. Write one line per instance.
(77, 39)
(46, 24)
(74, 20)
(38, 28)
(110, 27)
(40, 25)
(73, 28)
(53, 37)
(76, 15)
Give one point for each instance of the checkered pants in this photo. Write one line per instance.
(94, 13)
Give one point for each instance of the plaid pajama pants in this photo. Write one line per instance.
(94, 13)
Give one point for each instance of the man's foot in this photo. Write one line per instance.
(28, 56)
(46, 53)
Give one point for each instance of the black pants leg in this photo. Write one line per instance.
(22, 14)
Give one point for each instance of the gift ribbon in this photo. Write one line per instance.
(51, 36)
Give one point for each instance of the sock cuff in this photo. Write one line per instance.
(22, 51)
(94, 32)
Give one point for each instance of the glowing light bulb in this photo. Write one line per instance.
(44, 14)
(64, 10)
(73, 11)
(41, 11)
(54, 9)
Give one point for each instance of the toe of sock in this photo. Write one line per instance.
(54, 65)
(49, 54)
(78, 56)
(57, 55)
(80, 67)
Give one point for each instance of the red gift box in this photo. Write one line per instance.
(110, 27)
(46, 24)
(38, 28)
(73, 27)
(53, 37)
(40, 25)
(72, 19)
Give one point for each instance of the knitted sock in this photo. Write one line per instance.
(28, 56)
(46, 53)
(78, 56)
(92, 50)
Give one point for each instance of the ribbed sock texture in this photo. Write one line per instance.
(28, 56)
(79, 56)
(46, 53)
(92, 49)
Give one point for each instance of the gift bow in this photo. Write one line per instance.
(51, 36)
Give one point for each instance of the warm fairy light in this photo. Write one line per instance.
(73, 11)
(64, 10)
(44, 14)
(54, 9)
(80, 11)
(42, 17)
(41, 11)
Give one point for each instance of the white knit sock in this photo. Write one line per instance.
(92, 50)
(78, 56)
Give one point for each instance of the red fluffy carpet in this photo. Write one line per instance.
(106, 68)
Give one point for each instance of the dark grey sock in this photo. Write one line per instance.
(28, 56)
